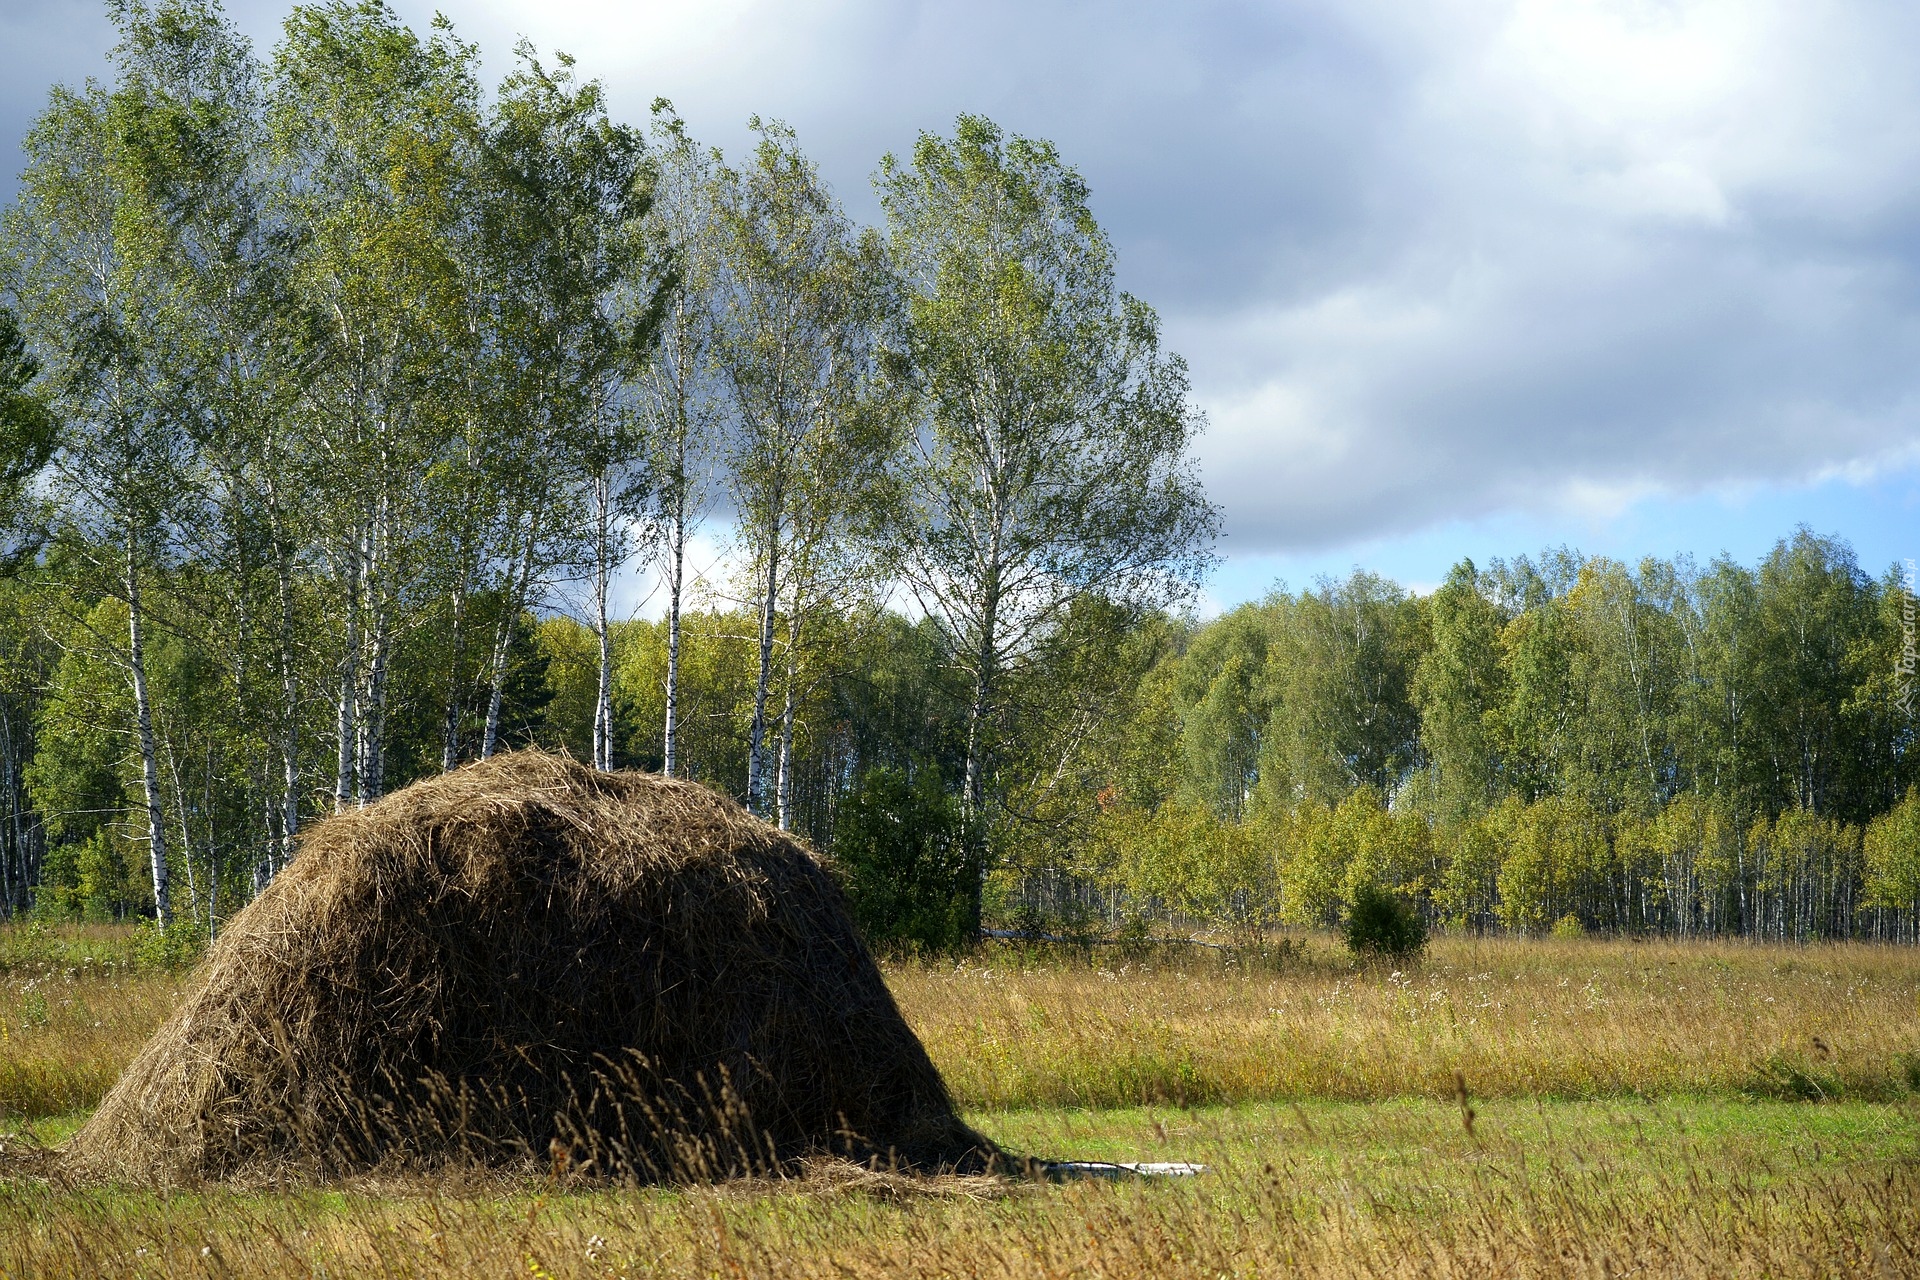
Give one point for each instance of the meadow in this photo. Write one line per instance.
(1691, 1109)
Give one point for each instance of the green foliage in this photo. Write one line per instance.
(27, 436)
(1459, 685)
(904, 855)
(1340, 673)
(1058, 762)
(1182, 858)
(89, 880)
(1382, 925)
(1893, 855)
(716, 695)
(1044, 410)
(1552, 847)
(176, 948)
(78, 777)
(1533, 728)
(328, 373)
(1329, 855)
(1468, 891)
(1223, 700)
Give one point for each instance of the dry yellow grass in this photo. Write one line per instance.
(1632, 1100)
(66, 1030)
(1396, 1189)
(1573, 1019)
(1565, 1019)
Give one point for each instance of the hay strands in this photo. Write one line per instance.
(527, 964)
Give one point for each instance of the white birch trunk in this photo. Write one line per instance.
(373, 724)
(289, 724)
(979, 707)
(186, 840)
(676, 577)
(602, 579)
(363, 689)
(149, 766)
(757, 733)
(346, 719)
(503, 636)
(603, 695)
(783, 790)
(452, 705)
(373, 717)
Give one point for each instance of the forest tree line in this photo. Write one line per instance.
(328, 375)
(339, 395)
(1563, 742)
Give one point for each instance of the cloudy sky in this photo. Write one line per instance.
(1461, 277)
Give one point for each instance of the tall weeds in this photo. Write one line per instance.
(1699, 1157)
(1579, 1190)
(1565, 1019)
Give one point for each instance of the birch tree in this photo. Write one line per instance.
(1052, 458)
(372, 128)
(85, 234)
(220, 290)
(834, 560)
(679, 397)
(794, 350)
(566, 192)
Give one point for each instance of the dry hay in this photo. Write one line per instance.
(527, 963)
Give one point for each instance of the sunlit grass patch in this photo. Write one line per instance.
(1564, 1019)
(76, 1003)
(1702, 1110)
(1681, 1186)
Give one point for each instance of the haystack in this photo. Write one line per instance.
(525, 962)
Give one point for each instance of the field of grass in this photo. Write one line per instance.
(1709, 1109)
(1518, 1018)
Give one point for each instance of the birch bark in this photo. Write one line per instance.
(143, 719)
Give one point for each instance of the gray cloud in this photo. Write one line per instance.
(42, 42)
(1428, 262)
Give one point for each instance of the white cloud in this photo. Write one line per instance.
(713, 567)
(1605, 263)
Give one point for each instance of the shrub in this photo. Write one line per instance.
(904, 858)
(180, 947)
(1383, 925)
(1569, 926)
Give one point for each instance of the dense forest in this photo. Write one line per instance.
(338, 397)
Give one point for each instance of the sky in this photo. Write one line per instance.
(1455, 278)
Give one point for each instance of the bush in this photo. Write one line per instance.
(903, 855)
(180, 947)
(1383, 925)
(1569, 926)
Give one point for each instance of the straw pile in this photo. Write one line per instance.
(525, 962)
